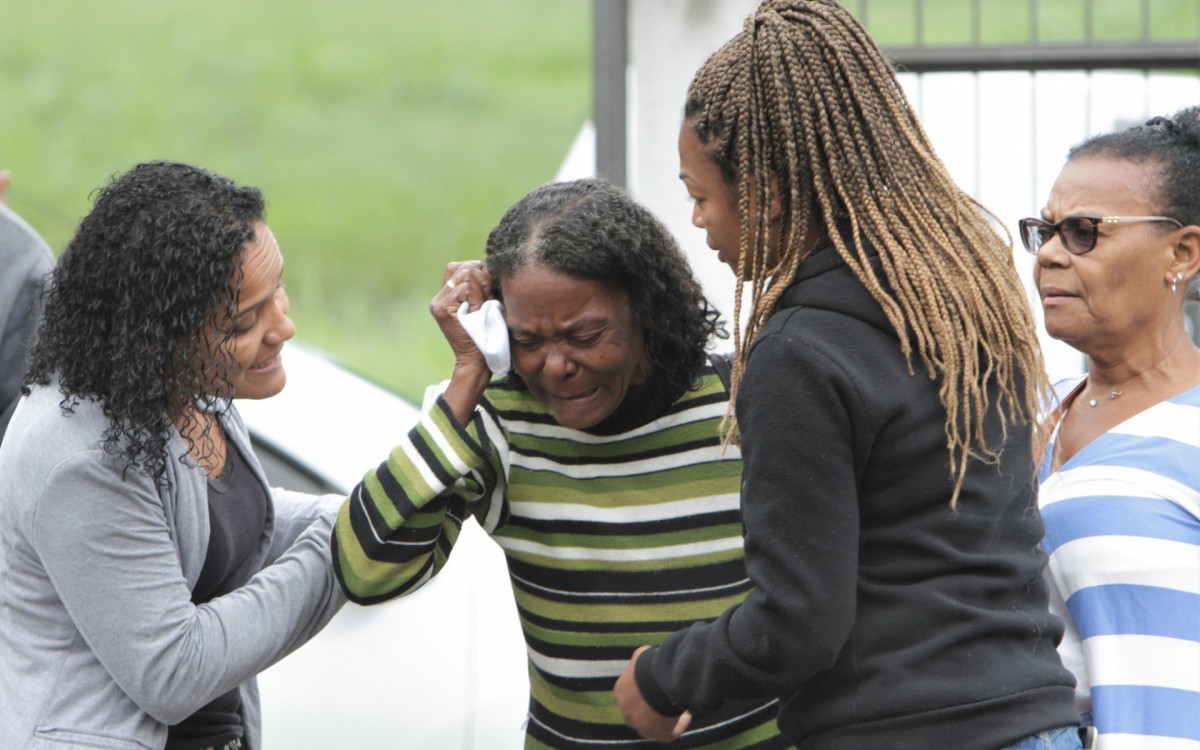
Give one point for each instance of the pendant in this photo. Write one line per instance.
(1111, 397)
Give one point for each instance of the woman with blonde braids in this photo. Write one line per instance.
(885, 384)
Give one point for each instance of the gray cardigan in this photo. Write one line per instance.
(100, 644)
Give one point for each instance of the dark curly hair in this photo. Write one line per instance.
(142, 300)
(1173, 145)
(590, 229)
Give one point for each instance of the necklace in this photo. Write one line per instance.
(1112, 396)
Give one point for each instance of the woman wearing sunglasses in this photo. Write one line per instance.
(1118, 249)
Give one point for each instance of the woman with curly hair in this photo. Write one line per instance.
(596, 465)
(886, 391)
(149, 573)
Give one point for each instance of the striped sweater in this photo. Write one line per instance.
(1123, 535)
(613, 541)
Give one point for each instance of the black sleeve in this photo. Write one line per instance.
(804, 431)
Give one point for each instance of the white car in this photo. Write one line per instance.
(441, 669)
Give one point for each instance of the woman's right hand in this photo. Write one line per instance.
(464, 281)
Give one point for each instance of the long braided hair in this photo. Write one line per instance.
(802, 111)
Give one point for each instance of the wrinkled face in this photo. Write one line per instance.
(575, 343)
(261, 324)
(1121, 288)
(714, 200)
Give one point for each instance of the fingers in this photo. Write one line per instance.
(685, 720)
(474, 276)
(463, 282)
(639, 715)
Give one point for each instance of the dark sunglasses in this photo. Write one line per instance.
(1077, 233)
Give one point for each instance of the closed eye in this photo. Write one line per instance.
(587, 339)
(245, 323)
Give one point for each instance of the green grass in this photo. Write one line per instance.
(388, 135)
(894, 22)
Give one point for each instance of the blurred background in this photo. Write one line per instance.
(389, 137)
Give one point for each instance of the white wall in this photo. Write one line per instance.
(668, 41)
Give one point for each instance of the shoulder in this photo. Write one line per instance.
(53, 466)
(44, 440)
(20, 246)
(828, 303)
(47, 422)
(709, 395)
(1190, 397)
(830, 364)
(795, 375)
(849, 331)
(829, 343)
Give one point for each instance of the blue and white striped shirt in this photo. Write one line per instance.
(1122, 523)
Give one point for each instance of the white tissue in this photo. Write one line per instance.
(487, 329)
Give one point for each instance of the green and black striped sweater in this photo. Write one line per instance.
(612, 540)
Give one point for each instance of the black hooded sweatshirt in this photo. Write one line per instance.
(882, 617)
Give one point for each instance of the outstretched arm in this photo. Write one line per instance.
(397, 528)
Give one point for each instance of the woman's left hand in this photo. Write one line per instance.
(639, 715)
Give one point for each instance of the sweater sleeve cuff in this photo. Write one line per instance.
(652, 691)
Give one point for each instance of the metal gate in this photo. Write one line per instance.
(1003, 110)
